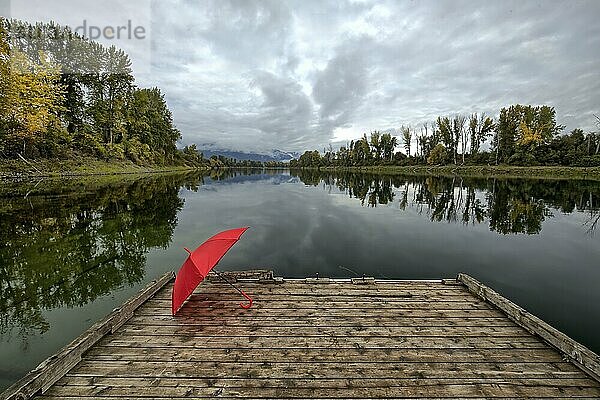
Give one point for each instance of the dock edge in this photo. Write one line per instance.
(582, 357)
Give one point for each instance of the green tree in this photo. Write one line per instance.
(438, 155)
(150, 123)
(458, 128)
(429, 138)
(388, 144)
(451, 132)
(537, 126)
(362, 151)
(310, 159)
(521, 128)
(597, 135)
(480, 128)
(191, 155)
(375, 142)
(110, 91)
(406, 132)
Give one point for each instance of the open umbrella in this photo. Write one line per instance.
(200, 262)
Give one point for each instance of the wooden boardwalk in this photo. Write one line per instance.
(319, 338)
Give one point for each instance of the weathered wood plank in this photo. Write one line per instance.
(357, 354)
(354, 331)
(196, 302)
(579, 354)
(53, 368)
(363, 320)
(298, 341)
(355, 290)
(255, 275)
(324, 290)
(556, 379)
(375, 285)
(323, 313)
(308, 369)
(443, 390)
(127, 309)
(329, 298)
(337, 284)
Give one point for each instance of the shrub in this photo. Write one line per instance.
(523, 159)
(438, 155)
(88, 143)
(588, 161)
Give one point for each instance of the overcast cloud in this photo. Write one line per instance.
(297, 75)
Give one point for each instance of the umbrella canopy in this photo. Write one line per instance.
(200, 262)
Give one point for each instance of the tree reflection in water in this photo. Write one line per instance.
(509, 206)
(65, 247)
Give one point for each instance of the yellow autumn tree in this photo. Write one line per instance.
(4, 80)
(32, 99)
(530, 135)
(536, 126)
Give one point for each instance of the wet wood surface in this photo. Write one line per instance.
(303, 339)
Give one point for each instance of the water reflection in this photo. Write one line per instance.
(509, 206)
(65, 247)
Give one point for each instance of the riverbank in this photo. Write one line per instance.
(77, 185)
(81, 166)
(482, 171)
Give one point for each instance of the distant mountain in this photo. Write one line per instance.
(273, 155)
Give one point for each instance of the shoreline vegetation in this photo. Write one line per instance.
(483, 171)
(82, 167)
(89, 166)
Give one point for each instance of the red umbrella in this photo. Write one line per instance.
(200, 262)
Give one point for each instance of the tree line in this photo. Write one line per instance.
(522, 135)
(62, 95)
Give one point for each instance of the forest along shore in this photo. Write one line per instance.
(504, 171)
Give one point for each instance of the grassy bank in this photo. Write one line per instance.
(65, 185)
(81, 166)
(482, 171)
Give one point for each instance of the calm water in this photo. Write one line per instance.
(71, 252)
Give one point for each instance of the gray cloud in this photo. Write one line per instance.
(298, 75)
(341, 86)
(286, 112)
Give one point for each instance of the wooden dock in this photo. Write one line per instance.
(318, 338)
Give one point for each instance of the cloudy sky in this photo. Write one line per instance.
(297, 75)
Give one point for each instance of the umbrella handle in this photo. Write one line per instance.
(246, 306)
(240, 291)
